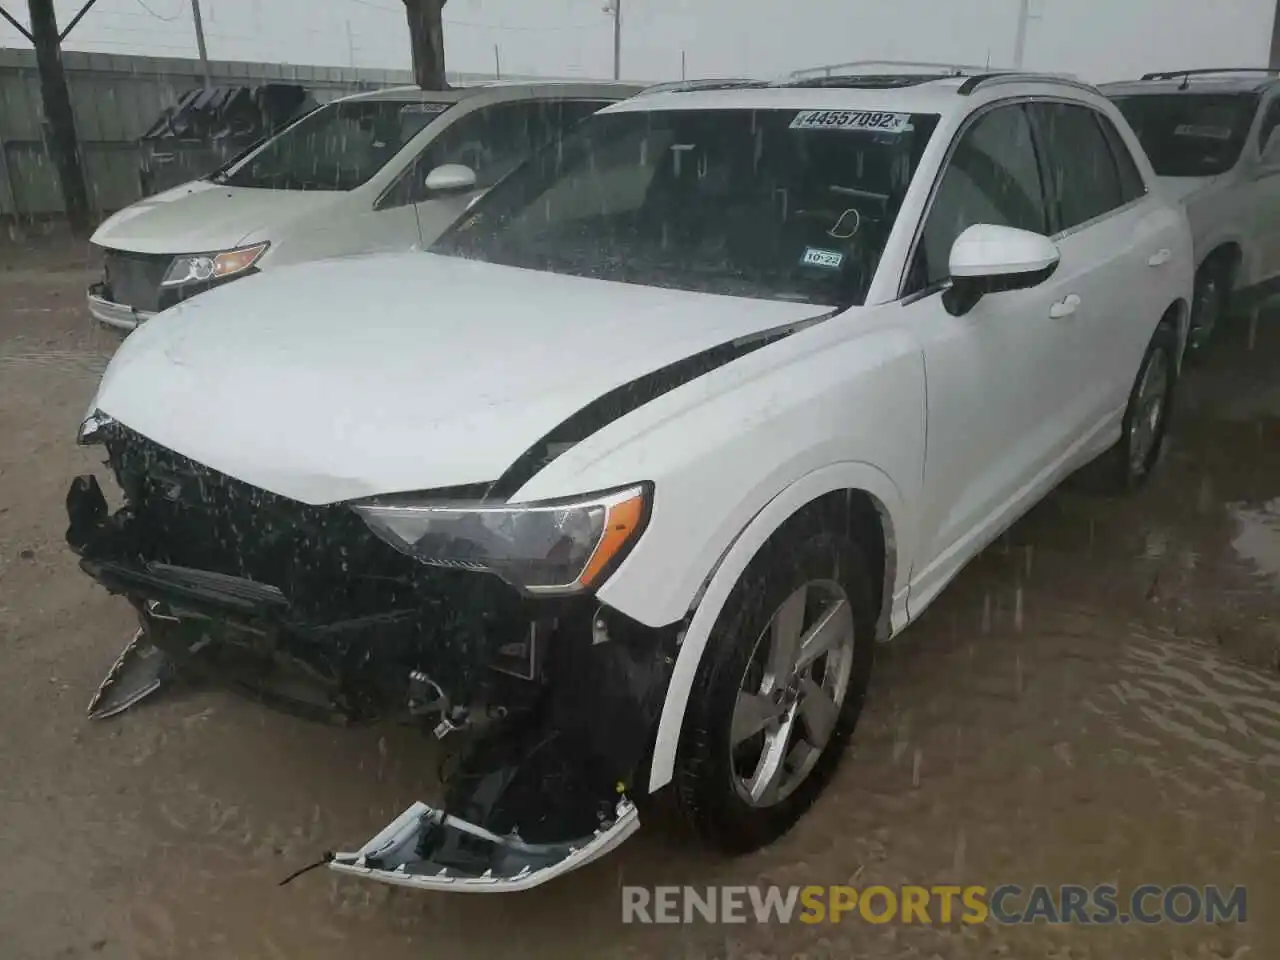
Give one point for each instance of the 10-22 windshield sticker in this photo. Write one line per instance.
(873, 121)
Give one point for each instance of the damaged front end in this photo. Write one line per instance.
(312, 610)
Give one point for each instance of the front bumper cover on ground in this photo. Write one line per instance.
(390, 856)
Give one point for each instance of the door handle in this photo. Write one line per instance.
(1065, 307)
(1160, 258)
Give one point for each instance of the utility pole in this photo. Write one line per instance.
(682, 61)
(59, 119)
(1020, 42)
(497, 63)
(1274, 60)
(351, 47)
(615, 7)
(204, 53)
(426, 39)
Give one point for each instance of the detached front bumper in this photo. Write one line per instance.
(391, 856)
(118, 316)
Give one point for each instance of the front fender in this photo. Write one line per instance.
(721, 447)
(736, 452)
(838, 476)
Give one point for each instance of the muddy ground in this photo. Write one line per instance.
(1096, 699)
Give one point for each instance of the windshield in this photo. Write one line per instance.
(775, 204)
(336, 147)
(1190, 134)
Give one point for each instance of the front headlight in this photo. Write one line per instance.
(203, 267)
(560, 547)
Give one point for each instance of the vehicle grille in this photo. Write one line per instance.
(134, 278)
(324, 559)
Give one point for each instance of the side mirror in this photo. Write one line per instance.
(992, 259)
(451, 178)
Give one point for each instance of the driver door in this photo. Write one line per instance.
(999, 379)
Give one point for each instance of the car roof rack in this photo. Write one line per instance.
(972, 83)
(710, 83)
(857, 68)
(1209, 71)
(901, 72)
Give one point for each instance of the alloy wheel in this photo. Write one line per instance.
(792, 693)
(1148, 412)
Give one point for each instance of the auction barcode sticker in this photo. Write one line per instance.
(851, 120)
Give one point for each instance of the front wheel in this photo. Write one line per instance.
(779, 689)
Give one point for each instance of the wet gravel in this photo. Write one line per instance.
(1096, 699)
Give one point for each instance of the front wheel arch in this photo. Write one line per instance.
(872, 510)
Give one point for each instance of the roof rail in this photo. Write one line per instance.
(854, 66)
(1208, 71)
(1021, 76)
(710, 83)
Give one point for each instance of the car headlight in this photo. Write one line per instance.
(203, 267)
(552, 547)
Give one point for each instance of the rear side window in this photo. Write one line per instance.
(1131, 185)
(1083, 180)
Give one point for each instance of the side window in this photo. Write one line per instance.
(992, 177)
(1269, 122)
(1131, 185)
(1083, 180)
(492, 141)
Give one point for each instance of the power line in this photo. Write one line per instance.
(485, 26)
(497, 26)
(158, 16)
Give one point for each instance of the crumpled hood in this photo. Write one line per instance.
(338, 379)
(200, 217)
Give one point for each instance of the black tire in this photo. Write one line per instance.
(1211, 303)
(809, 548)
(1121, 470)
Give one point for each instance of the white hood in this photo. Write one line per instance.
(339, 379)
(200, 217)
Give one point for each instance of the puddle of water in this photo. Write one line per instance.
(1253, 405)
(1258, 539)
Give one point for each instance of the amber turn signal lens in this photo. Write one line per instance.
(621, 525)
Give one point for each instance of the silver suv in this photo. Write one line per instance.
(1212, 138)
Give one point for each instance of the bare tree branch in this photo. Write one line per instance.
(16, 25)
(76, 19)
